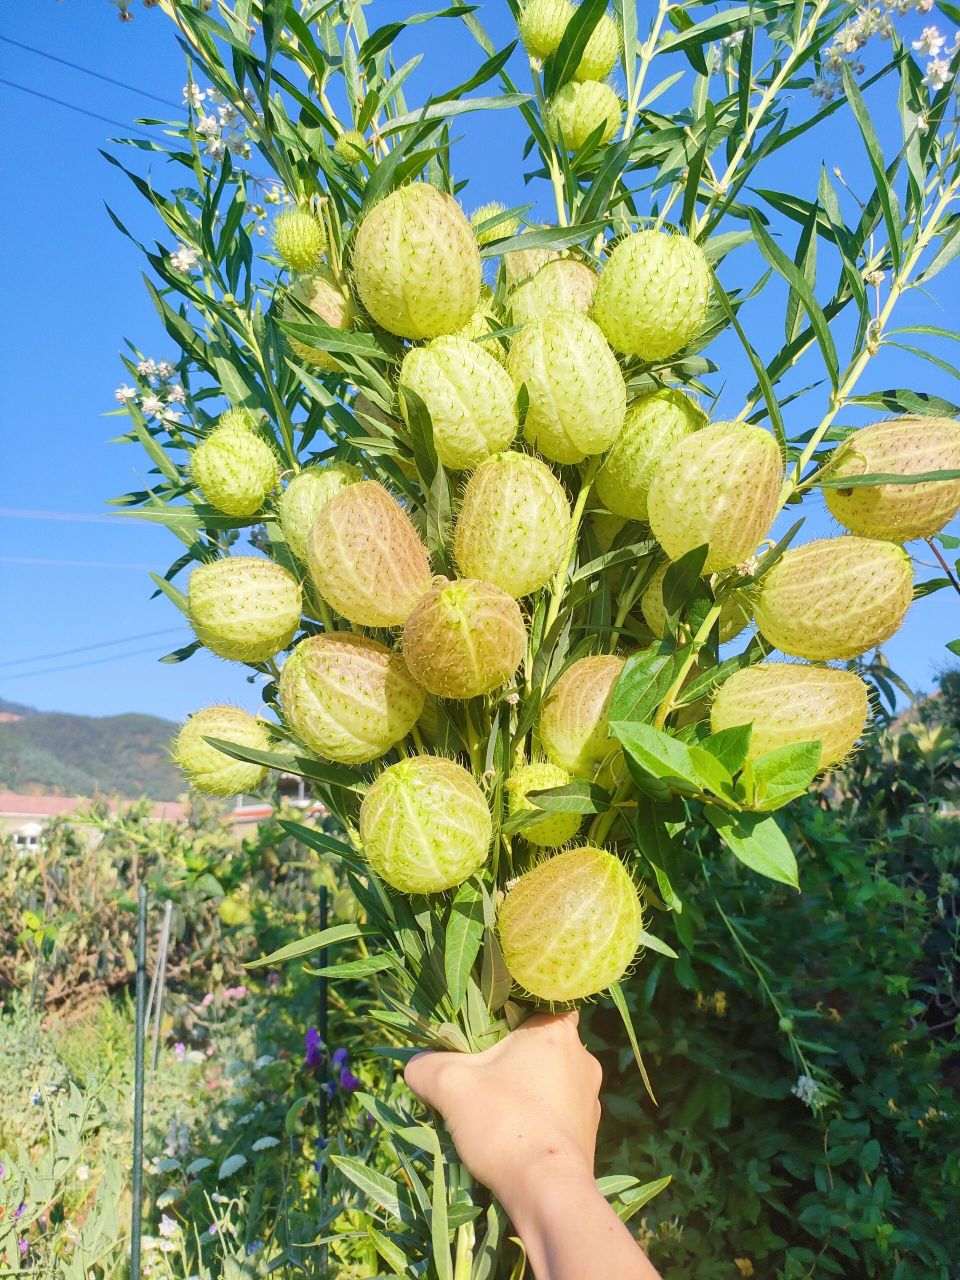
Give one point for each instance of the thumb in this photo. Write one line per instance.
(424, 1072)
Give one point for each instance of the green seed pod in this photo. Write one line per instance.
(603, 48)
(351, 147)
(520, 264)
(719, 486)
(578, 109)
(244, 607)
(464, 638)
(571, 926)
(788, 703)
(653, 425)
(330, 302)
(425, 825)
(514, 524)
(542, 24)
(306, 495)
(366, 558)
(486, 213)
(554, 829)
(562, 285)
(235, 468)
(577, 396)
(469, 396)
(207, 768)
(903, 447)
(573, 718)
(300, 239)
(735, 613)
(652, 297)
(238, 417)
(348, 697)
(486, 317)
(605, 528)
(835, 598)
(416, 263)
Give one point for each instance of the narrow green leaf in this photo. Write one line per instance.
(315, 942)
(334, 774)
(889, 201)
(463, 938)
(383, 1191)
(562, 65)
(874, 478)
(616, 995)
(656, 944)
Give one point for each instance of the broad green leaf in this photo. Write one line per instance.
(954, 647)
(644, 682)
(683, 580)
(757, 842)
(684, 769)
(495, 980)
(315, 942)
(383, 1191)
(463, 938)
(730, 746)
(579, 796)
(778, 776)
(635, 1198)
(421, 436)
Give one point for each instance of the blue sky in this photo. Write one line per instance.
(75, 576)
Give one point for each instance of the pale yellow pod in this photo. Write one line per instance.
(464, 638)
(306, 495)
(553, 829)
(235, 468)
(207, 768)
(654, 424)
(573, 718)
(561, 285)
(244, 607)
(578, 109)
(330, 301)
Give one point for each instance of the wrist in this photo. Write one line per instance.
(541, 1182)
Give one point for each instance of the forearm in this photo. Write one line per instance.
(569, 1231)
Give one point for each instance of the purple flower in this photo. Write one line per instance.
(339, 1058)
(254, 1247)
(348, 1081)
(20, 1211)
(314, 1048)
(23, 1245)
(3, 1169)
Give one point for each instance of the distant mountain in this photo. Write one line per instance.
(53, 753)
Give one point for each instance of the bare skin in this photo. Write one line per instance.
(523, 1116)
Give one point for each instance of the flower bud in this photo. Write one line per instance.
(652, 297)
(789, 703)
(571, 926)
(554, 829)
(514, 524)
(207, 768)
(653, 425)
(351, 147)
(366, 558)
(576, 393)
(719, 486)
(330, 302)
(416, 263)
(563, 284)
(835, 598)
(903, 447)
(542, 24)
(603, 48)
(486, 318)
(306, 495)
(735, 612)
(580, 108)
(573, 718)
(244, 607)
(486, 213)
(348, 697)
(300, 239)
(464, 638)
(235, 468)
(425, 825)
(469, 396)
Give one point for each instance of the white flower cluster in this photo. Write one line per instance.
(809, 1092)
(157, 393)
(877, 20)
(219, 123)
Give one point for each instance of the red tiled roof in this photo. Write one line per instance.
(13, 805)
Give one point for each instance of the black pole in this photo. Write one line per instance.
(323, 1019)
(136, 1216)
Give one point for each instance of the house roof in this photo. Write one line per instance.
(13, 805)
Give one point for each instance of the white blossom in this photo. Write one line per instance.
(124, 393)
(227, 114)
(169, 1227)
(208, 125)
(171, 416)
(808, 1091)
(193, 95)
(176, 395)
(823, 88)
(146, 368)
(216, 148)
(930, 42)
(184, 260)
(165, 370)
(938, 74)
(83, 1173)
(152, 405)
(922, 6)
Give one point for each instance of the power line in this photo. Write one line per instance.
(76, 564)
(87, 71)
(72, 106)
(72, 666)
(85, 648)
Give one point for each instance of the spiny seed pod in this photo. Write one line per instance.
(719, 486)
(208, 769)
(653, 294)
(603, 48)
(348, 697)
(606, 528)
(351, 147)
(571, 926)
(329, 301)
(366, 558)
(300, 239)
(788, 703)
(903, 447)
(237, 416)
(562, 285)
(576, 393)
(554, 829)
(425, 825)
(542, 24)
(520, 264)
(464, 638)
(573, 718)
(503, 227)
(835, 598)
(735, 612)
(469, 396)
(306, 495)
(478, 328)
(244, 607)
(514, 524)
(235, 468)
(653, 425)
(416, 263)
(578, 109)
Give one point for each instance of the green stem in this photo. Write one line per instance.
(558, 588)
(647, 50)
(699, 640)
